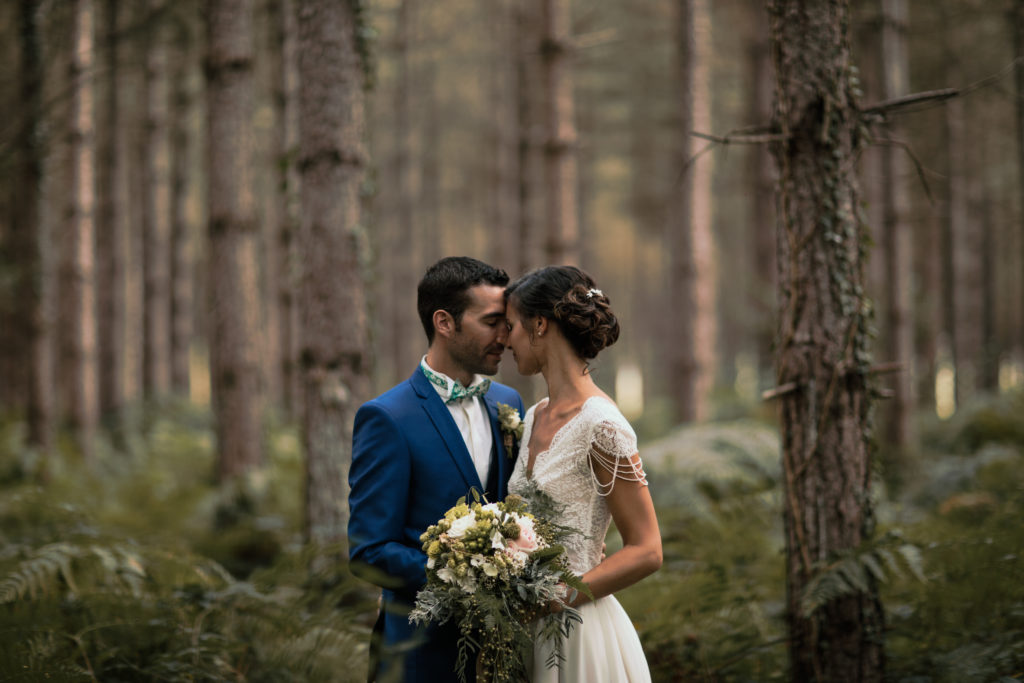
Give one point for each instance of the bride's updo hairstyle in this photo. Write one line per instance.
(568, 297)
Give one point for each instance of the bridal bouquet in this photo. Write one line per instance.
(494, 568)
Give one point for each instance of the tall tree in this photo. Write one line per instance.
(896, 231)
(692, 282)
(1016, 24)
(84, 408)
(280, 220)
(762, 206)
(332, 159)
(233, 233)
(156, 301)
(501, 134)
(181, 234)
(561, 176)
(822, 356)
(404, 335)
(26, 234)
(110, 221)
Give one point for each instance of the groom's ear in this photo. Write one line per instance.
(444, 323)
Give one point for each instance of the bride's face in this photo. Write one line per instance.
(521, 342)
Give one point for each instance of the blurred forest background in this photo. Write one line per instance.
(213, 218)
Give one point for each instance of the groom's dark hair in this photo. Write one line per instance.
(445, 287)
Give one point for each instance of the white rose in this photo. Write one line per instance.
(462, 525)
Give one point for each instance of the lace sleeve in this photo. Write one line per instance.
(613, 451)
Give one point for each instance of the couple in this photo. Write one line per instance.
(427, 442)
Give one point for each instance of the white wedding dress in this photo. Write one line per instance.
(604, 648)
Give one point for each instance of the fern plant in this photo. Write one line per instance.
(853, 571)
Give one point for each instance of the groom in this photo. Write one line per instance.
(422, 445)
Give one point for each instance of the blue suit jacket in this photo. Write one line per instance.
(409, 466)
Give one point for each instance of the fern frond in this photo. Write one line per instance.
(854, 573)
(41, 574)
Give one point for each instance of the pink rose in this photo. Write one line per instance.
(528, 540)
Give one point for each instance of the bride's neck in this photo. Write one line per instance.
(567, 378)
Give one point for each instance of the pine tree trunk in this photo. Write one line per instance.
(1017, 27)
(762, 206)
(233, 239)
(26, 236)
(84, 408)
(957, 280)
(897, 235)
(692, 282)
(821, 366)
(181, 260)
(332, 159)
(526, 68)
(405, 335)
(156, 301)
(110, 225)
(502, 138)
(561, 175)
(281, 319)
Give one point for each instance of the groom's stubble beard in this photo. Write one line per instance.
(471, 357)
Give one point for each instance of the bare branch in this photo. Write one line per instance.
(917, 163)
(907, 101)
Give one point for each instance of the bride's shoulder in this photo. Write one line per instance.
(605, 412)
(532, 409)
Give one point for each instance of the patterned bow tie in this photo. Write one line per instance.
(459, 392)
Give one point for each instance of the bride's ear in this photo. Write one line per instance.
(540, 325)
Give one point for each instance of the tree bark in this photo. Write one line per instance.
(1017, 27)
(233, 239)
(156, 302)
(501, 134)
(692, 280)
(958, 281)
(110, 225)
(332, 159)
(762, 220)
(897, 235)
(26, 237)
(281, 344)
(84, 408)
(822, 339)
(181, 234)
(406, 339)
(560, 169)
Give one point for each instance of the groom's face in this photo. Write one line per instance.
(480, 337)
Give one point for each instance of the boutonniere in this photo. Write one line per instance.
(511, 425)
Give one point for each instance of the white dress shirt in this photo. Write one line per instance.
(471, 418)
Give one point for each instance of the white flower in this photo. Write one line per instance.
(461, 525)
(430, 563)
(446, 575)
(497, 540)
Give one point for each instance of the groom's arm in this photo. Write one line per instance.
(380, 485)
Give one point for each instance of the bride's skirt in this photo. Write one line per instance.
(603, 649)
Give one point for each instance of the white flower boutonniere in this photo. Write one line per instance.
(511, 424)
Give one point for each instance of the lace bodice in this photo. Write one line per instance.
(596, 437)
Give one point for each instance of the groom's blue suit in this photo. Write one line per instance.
(409, 466)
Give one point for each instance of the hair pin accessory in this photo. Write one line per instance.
(591, 293)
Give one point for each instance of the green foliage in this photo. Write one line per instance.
(856, 572)
(117, 571)
(139, 569)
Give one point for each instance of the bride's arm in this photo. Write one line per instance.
(633, 512)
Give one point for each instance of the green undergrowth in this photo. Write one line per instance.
(138, 568)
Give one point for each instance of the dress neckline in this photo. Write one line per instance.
(558, 432)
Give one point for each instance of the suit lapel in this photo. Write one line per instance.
(439, 415)
(504, 460)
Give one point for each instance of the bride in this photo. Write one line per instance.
(579, 450)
